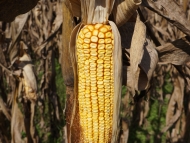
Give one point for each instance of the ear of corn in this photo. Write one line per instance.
(95, 50)
(95, 82)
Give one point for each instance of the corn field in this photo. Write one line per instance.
(140, 50)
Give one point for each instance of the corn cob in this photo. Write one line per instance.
(95, 82)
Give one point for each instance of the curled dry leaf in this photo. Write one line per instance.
(123, 10)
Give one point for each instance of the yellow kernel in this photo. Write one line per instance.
(109, 51)
(85, 30)
(107, 62)
(103, 29)
(94, 58)
(101, 46)
(108, 27)
(79, 40)
(107, 77)
(88, 35)
(93, 50)
(86, 40)
(90, 27)
(109, 46)
(108, 35)
(101, 51)
(106, 73)
(112, 36)
(106, 66)
(95, 32)
(93, 45)
(86, 46)
(94, 39)
(100, 61)
(108, 40)
(101, 41)
(100, 35)
(100, 82)
(97, 26)
(93, 53)
(81, 35)
(107, 58)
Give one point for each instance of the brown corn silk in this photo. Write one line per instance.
(97, 12)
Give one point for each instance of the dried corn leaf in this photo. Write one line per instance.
(170, 10)
(16, 27)
(136, 54)
(54, 29)
(123, 10)
(176, 102)
(17, 120)
(176, 52)
(148, 64)
(4, 109)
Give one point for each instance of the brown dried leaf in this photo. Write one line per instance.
(148, 64)
(176, 102)
(16, 26)
(176, 52)
(170, 10)
(136, 54)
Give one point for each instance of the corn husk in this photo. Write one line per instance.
(98, 12)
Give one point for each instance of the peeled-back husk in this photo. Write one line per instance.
(96, 11)
(117, 78)
(123, 10)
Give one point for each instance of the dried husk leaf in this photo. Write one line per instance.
(67, 70)
(123, 10)
(96, 11)
(72, 51)
(117, 55)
